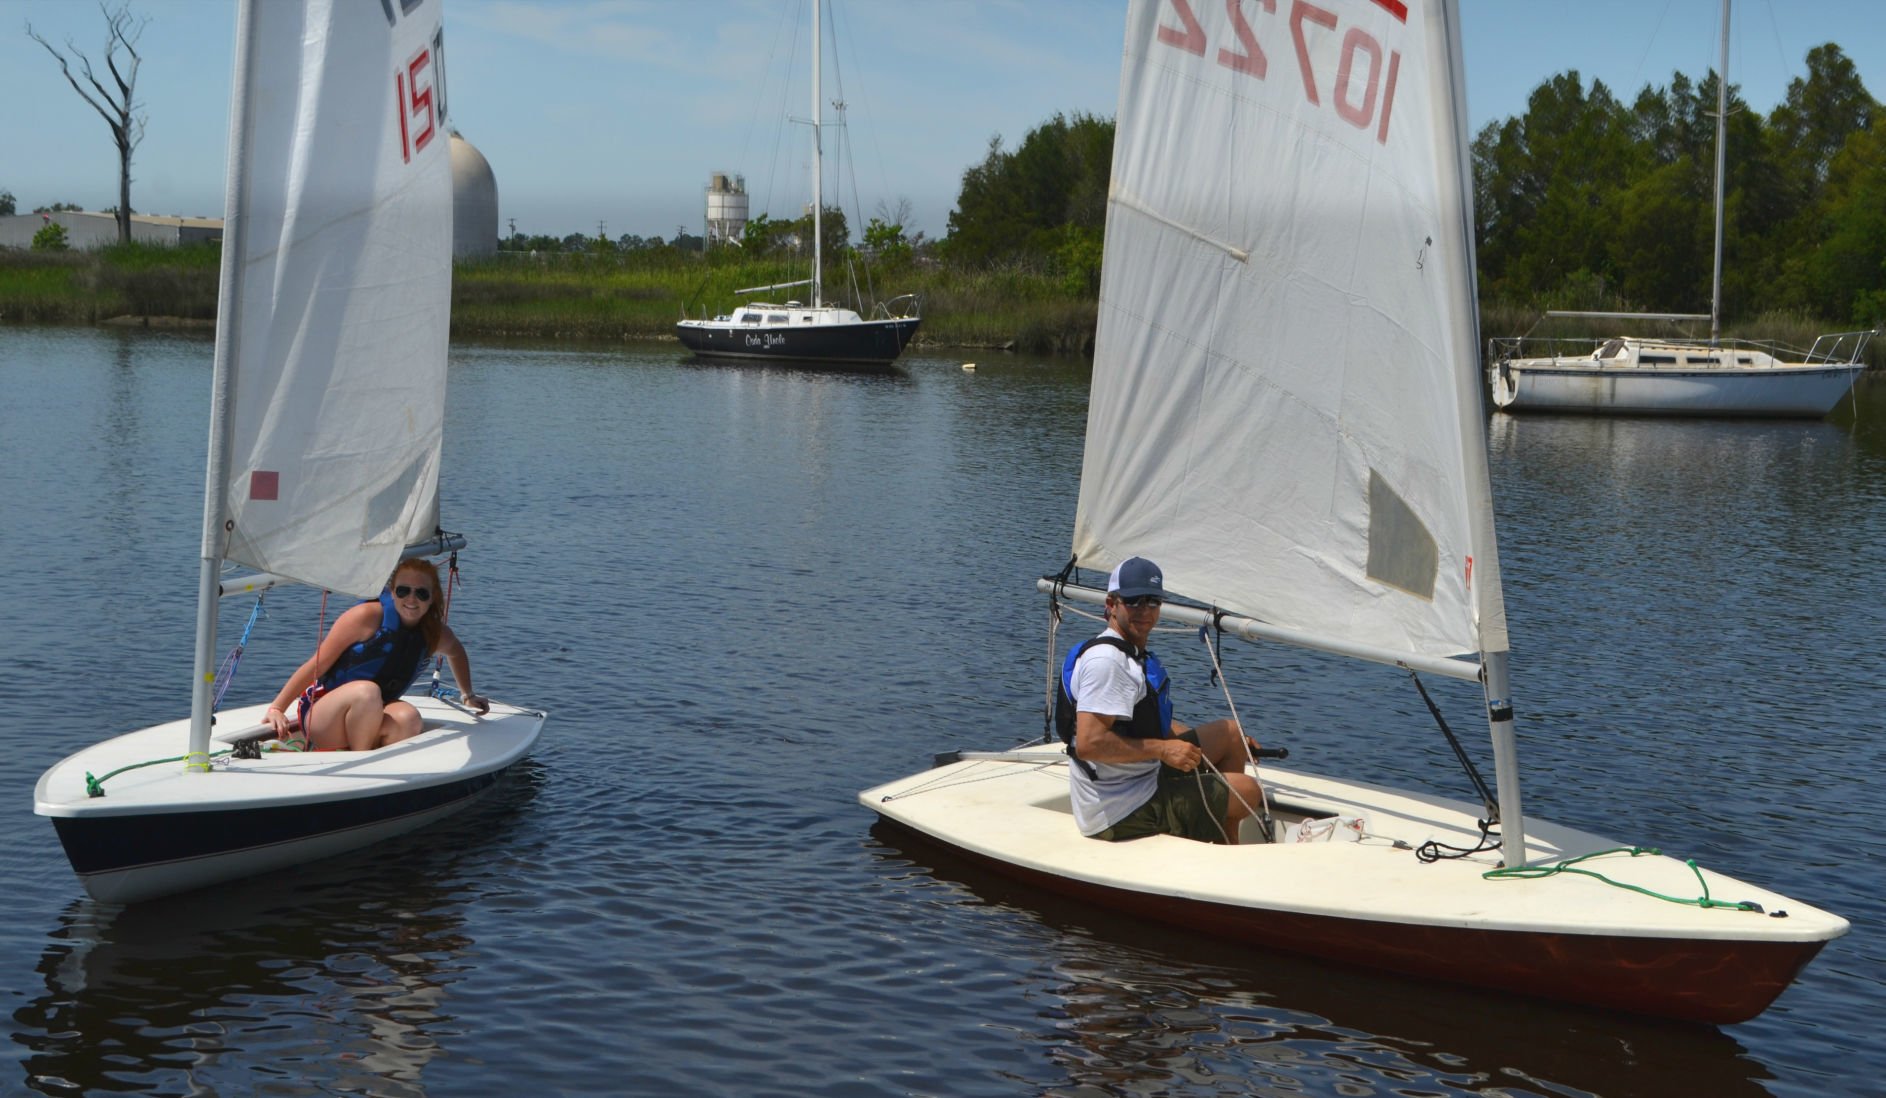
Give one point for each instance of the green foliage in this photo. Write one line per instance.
(7, 203)
(1016, 206)
(51, 237)
(886, 243)
(1585, 199)
(1078, 258)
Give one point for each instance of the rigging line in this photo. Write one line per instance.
(1650, 42)
(871, 129)
(782, 116)
(452, 583)
(1487, 800)
(226, 673)
(1054, 674)
(947, 781)
(1262, 810)
(1435, 850)
(760, 101)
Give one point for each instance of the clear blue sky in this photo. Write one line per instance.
(616, 111)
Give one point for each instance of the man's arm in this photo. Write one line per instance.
(1095, 741)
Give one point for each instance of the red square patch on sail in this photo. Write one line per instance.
(265, 484)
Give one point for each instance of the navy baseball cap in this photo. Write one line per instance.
(1134, 577)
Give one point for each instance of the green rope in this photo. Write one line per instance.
(95, 787)
(1534, 872)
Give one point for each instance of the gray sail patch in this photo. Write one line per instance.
(1402, 553)
(388, 508)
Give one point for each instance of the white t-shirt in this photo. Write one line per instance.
(1110, 683)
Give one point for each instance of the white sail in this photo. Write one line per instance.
(1285, 412)
(339, 347)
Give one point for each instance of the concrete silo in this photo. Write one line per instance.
(726, 208)
(474, 201)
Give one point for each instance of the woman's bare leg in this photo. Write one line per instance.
(347, 718)
(401, 722)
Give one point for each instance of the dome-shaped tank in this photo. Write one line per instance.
(474, 201)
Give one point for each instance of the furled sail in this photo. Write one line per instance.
(1285, 412)
(344, 296)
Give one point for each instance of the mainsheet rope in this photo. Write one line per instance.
(1262, 810)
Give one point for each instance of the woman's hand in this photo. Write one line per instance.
(276, 719)
(478, 702)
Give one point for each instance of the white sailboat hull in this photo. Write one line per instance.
(1575, 386)
(1373, 903)
(160, 830)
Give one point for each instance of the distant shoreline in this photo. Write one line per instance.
(566, 297)
(555, 296)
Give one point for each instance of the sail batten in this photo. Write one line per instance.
(1276, 414)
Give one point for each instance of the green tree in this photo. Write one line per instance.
(1822, 111)
(118, 104)
(1544, 185)
(51, 237)
(886, 242)
(1661, 238)
(1016, 205)
(7, 203)
(1845, 275)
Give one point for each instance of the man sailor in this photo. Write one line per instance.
(1134, 771)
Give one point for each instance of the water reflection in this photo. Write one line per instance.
(337, 976)
(1135, 1008)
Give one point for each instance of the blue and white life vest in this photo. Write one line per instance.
(391, 657)
(1152, 714)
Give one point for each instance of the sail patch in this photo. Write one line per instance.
(388, 508)
(1402, 553)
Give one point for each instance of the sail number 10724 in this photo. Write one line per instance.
(1363, 91)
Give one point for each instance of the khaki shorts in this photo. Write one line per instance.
(1189, 804)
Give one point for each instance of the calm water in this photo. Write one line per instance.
(744, 594)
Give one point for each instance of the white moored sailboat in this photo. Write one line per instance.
(326, 420)
(1273, 225)
(1624, 375)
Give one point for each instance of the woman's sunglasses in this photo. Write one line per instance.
(423, 594)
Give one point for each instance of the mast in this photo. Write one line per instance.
(1469, 394)
(222, 391)
(1722, 142)
(818, 160)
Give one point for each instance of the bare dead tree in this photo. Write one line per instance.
(117, 105)
(895, 214)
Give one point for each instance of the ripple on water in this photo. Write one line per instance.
(745, 595)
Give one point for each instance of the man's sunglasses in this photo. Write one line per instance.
(1140, 602)
(423, 594)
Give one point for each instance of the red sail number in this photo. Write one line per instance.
(414, 102)
(1363, 79)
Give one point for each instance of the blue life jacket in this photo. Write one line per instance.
(1152, 714)
(391, 657)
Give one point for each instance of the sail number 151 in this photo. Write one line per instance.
(1360, 51)
(419, 96)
